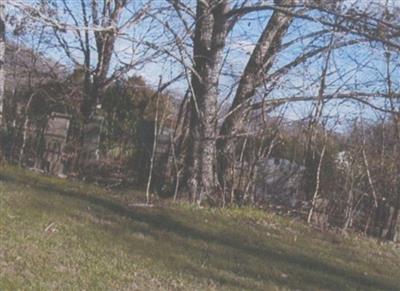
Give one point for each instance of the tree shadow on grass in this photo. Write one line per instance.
(310, 271)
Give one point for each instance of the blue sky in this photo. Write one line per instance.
(359, 67)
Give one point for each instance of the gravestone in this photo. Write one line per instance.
(55, 137)
(279, 180)
(397, 231)
(91, 140)
(145, 133)
(389, 219)
(146, 138)
(320, 216)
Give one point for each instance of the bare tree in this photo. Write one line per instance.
(261, 60)
(208, 45)
(2, 57)
(87, 33)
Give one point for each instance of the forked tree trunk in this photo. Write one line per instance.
(257, 67)
(208, 45)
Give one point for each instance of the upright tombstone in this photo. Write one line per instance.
(396, 237)
(146, 137)
(91, 140)
(394, 222)
(55, 137)
(279, 180)
(320, 216)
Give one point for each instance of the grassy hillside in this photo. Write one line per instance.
(60, 235)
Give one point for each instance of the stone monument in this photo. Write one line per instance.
(55, 137)
(91, 140)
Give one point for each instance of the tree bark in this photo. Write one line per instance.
(257, 67)
(105, 41)
(208, 45)
(2, 59)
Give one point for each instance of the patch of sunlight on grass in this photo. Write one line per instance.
(62, 235)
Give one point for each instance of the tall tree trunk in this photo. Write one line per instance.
(208, 45)
(2, 59)
(257, 67)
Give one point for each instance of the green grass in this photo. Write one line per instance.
(63, 235)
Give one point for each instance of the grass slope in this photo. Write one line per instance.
(61, 235)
